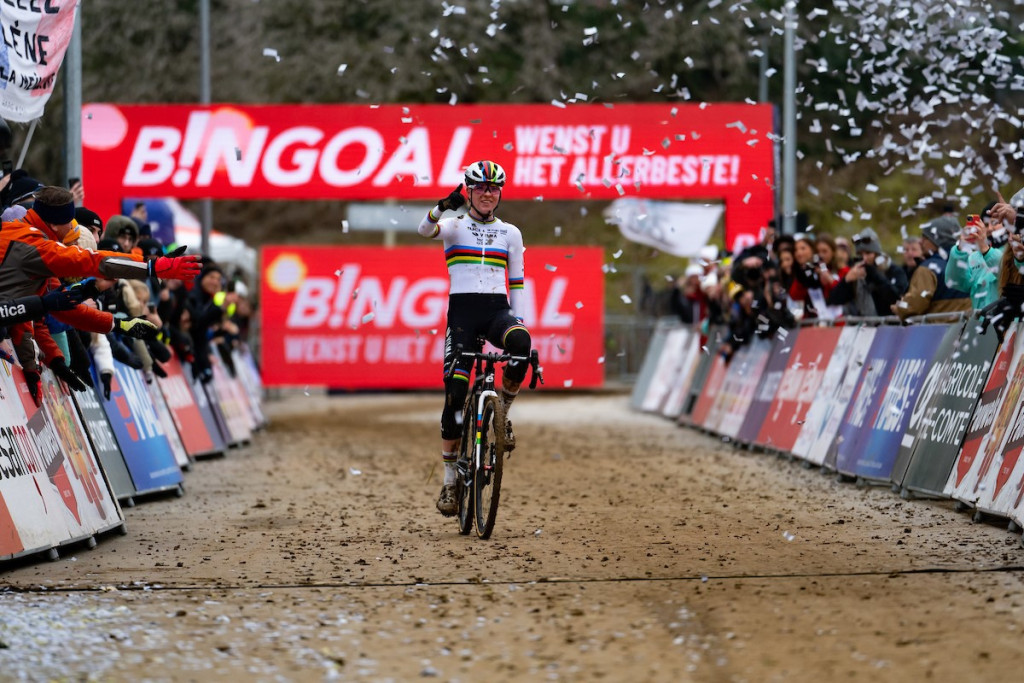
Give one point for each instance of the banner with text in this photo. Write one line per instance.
(944, 411)
(36, 36)
(370, 317)
(967, 477)
(416, 152)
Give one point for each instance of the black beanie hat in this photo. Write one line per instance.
(109, 245)
(151, 247)
(88, 218)
(21, 187)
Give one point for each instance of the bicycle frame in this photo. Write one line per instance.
(477, 464)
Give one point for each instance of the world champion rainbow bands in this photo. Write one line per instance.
(487, 256)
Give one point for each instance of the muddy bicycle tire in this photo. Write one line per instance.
(464, 484)
(490, 435)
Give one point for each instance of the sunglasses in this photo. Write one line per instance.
(487, 187)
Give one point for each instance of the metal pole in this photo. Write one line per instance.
(206, 223)
(762, 80)
(789, 125)
(72, 73)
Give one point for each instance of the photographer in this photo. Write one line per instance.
(812, 280)
(974, 262)
(873, 283)
(760, 306)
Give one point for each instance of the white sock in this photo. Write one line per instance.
(450, 473)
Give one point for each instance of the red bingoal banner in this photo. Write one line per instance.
(704, 152)
(373, 317)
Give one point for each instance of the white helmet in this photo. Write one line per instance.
(485, 172)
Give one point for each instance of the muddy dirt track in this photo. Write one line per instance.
(627, 549)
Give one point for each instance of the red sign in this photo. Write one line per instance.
(371, 317)
(799, 386)
(182, 405)
(368, 152)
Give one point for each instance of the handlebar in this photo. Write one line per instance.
(492, 358)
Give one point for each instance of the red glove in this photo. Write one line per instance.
(176, 267)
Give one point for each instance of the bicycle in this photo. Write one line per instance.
(482, 446)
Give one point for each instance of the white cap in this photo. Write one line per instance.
(694, 269)
(708, 253)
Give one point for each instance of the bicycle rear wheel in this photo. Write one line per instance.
(464, 484)
(488, 458)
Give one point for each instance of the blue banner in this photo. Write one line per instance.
(903, 361)
(139, 433)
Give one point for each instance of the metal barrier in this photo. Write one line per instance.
(626, 338)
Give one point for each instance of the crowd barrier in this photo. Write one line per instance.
(933, 410)
(67, 465)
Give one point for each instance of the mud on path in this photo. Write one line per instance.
(626, 549)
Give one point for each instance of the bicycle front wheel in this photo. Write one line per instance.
(489, 453)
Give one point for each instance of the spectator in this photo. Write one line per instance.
(974, 262)
(844, 256)
(19, 194)
(206, 303)
(688, 299)
(825, 247)
(787, 262)
(928, 292)
(912, 255)
(760, 309)
(91, 221)
(124, 231)
(812, 280)
(873, 283)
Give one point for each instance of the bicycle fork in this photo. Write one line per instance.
(479, 458)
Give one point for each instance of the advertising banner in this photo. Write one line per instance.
(647, 375)
(356, 152)
(139, 432)
(372, 317)
(902, 357)
(184, 410)
(917, 349)
(234, 413)
(167, 422)
(938, 425)
(249, 376)
(709, 393)
(967, 473)
(767, 387)
(705, 361)
(35, 492)
(212, 417)
(808, 360)
(670, 369)
(824, 402)
(737, 392)
(104, 443)
(36, 36)
(823, 450)
(998, 496)
(975, 488)
(61, 439)
(677, 396)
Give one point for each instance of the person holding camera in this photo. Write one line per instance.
(974, 262)
(812, 280)
(873, 283)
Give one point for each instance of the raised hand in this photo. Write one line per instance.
(453, 201)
